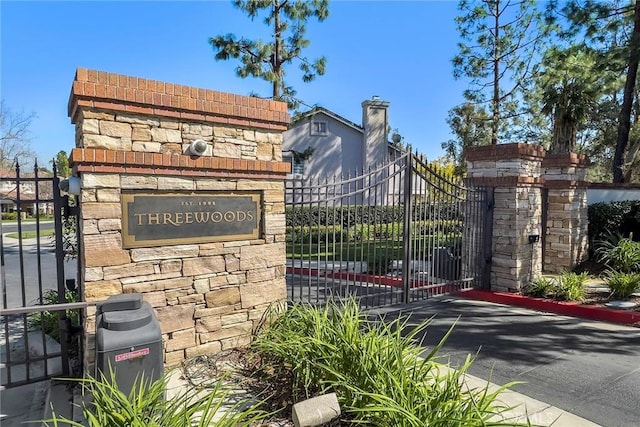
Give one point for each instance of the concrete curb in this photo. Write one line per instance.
(524, 408)
(572, 309)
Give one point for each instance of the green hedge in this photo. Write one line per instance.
(613, 218)
(9, 216)
(370, 232)
(316, 234)
(348, 216)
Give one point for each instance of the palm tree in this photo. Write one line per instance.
(569, 88)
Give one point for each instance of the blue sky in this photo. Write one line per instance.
(400, 51)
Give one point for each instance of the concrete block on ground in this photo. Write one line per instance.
(316, 411)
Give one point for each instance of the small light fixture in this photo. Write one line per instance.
(198, 147)
(71, 185)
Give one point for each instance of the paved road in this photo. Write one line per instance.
(12, 227)
(12, 271)
(591, 369)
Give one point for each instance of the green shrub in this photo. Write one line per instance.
(570, 286)
(9, 216)
(540, 288)
(614, 217)
(350, 215)
(622, 284)
(345, 216)
(566, 287)
(48, 320)
(316, 234)
(364, 232)
(377, 369)
(622, 255)
(421, 228)
(146, 405)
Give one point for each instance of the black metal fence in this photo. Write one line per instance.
(38, 314)
(352, 237)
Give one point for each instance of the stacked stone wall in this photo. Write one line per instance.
(208, 297)
(516, 216)
(525, 180)
(514, 173)
(566, 240)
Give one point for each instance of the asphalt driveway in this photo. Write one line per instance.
(591, 369)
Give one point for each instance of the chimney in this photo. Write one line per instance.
(375, 121)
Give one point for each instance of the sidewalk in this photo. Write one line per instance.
(538, 413)
(36, 401)
(29, 403)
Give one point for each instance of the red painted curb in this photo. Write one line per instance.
(373, 279)
(558, 307)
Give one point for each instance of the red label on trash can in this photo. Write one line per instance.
(132, 354)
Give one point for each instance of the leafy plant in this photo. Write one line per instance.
(622, 284)
(146, 405)
(348, 216)
(48, 320)
(623, 217)
(622, 255)
(566, 287)
(570, 286)
(540, 287)
(376, 368)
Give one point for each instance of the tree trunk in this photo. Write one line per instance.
(276, 51)
(564, 134)
(624, 121)
(495, 124)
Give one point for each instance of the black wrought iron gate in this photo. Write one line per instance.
(399, 232)
(38, 277)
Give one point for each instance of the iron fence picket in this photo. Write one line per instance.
(362, 249)
(25, 367)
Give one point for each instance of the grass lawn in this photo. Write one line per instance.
(347, 251)
(364, 250)
(31, 234)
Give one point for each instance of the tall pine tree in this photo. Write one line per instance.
(497, 54)
(267, 60)
(595, 21)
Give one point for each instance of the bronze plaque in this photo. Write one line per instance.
(166, 219)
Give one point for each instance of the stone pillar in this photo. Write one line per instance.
(133, 137)
(566, 234)
(513, 170)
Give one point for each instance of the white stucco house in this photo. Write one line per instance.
(324, 147)
(9, 194)
(340, 147)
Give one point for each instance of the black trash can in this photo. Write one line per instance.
(128, 341)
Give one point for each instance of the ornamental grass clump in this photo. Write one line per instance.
(566, 287)
(147, 406)
(377, 368)
(570, 286)
(541, 287)
(621, 254)
(621, 284)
